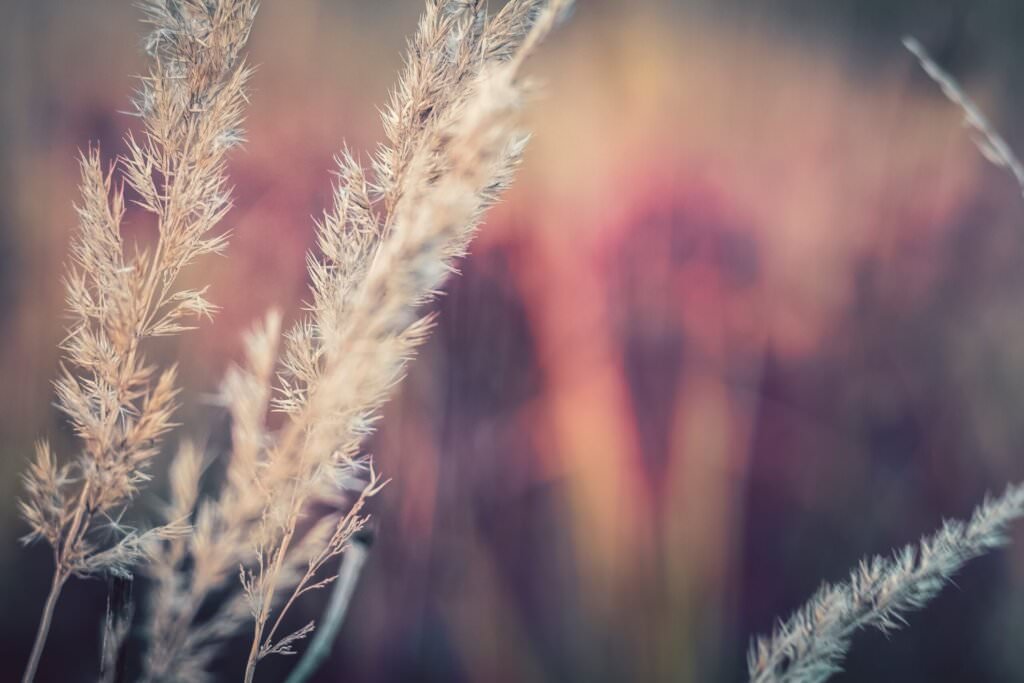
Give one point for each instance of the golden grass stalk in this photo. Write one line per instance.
(454, 144)
(120, 406)
(384, 250)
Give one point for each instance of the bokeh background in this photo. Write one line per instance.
(754, 309)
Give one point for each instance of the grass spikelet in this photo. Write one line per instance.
(454, 141)
(190, 105)
(383, 250)
(810, 646)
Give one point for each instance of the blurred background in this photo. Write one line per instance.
(753, 309)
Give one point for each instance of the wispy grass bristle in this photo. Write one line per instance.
(383, 250)
(190, 105)
(809, 647)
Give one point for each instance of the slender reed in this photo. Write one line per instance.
(810, 646)
(190, 105)
(453, 148)
(988, 141)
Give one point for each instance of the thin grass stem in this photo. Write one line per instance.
(44, 626)
(341, 595)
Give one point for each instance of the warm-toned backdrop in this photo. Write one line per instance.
(755, 308)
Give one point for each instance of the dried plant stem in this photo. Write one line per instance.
(190, 105)
(291, 599)
(268, 595)
(61, 573)
(345, 527)
(59, 578)
(989, 142)
(351, 567)
(254, 652)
